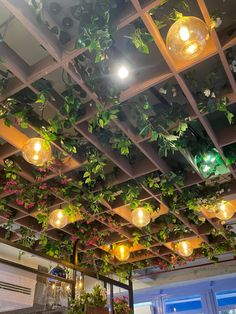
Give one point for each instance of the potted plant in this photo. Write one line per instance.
(121, 306)
(90, 303)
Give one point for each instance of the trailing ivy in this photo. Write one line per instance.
(208, 91)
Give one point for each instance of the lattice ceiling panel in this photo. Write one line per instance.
(35, 60)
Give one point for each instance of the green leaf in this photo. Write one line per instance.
(101, 123)
(86, 174)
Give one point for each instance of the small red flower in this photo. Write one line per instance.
(19, 202)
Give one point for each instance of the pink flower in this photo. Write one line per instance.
(64, 181)
(53, 189)
(43, 186)
(42, 169)
(74, 238)
(30, 205)
(11, 182)
(42, 203)
(19, 202)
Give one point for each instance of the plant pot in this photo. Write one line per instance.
(97, 310)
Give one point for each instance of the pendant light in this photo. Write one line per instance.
(141, 217)
(58, 218)
(122, 252)
(37, 151)
(224, 211)
(187, 38)
(184, 248)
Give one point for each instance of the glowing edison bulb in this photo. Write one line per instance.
(122, 253)
(141, 217)
(225, 211)
(184, 33)
(185, 248)
(37, 151)
(58, 218)
(187, 38)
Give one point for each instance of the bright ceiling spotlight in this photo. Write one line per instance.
(123, 72)
(37, 151)
(184, 248)
(141, 217)
(224, 211)
(58, 218)
(122, 253)
(187, 38)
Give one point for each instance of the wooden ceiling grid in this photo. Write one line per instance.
(59, 57)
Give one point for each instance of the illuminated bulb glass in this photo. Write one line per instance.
(123, 72)
(141, 217)
(185, 248)
(122, 253)
(58, 218)
(206, 168)
(37, 151)
(187, 38)
(184, 33)
(225, 211)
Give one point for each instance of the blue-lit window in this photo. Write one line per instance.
(190, 305)
(226, 301)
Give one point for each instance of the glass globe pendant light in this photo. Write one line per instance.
(187, 38)
(141, 217)
(122, 252)
(37, 151)
(224, 211)
(58, 218)
(184, 248)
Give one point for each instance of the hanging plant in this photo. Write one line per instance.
(121, 143)
(164, 183)
(28, 238)
(208, 91)
(163, 19)
(141, 40)
(103, 117)
(164, 125)
(94, 168)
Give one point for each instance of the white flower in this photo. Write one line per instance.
(174, 92)
(162, 91)
(213, 95)
(233, 66)
(207, 92)
(218, 22)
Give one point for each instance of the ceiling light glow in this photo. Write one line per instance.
(123, 72)
(187, 38)
(37, 151)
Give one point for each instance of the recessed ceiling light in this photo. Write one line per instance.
(123, 72)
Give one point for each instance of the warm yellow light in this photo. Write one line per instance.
(187, 38)
(192, 48)
(184, 248)
(141, 217)
(184, 33)
(37, 151)
(58, 218)
(224, 211)
(122, 253)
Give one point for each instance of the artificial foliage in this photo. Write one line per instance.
(96, 299)
(165, 128)
(121, 305)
